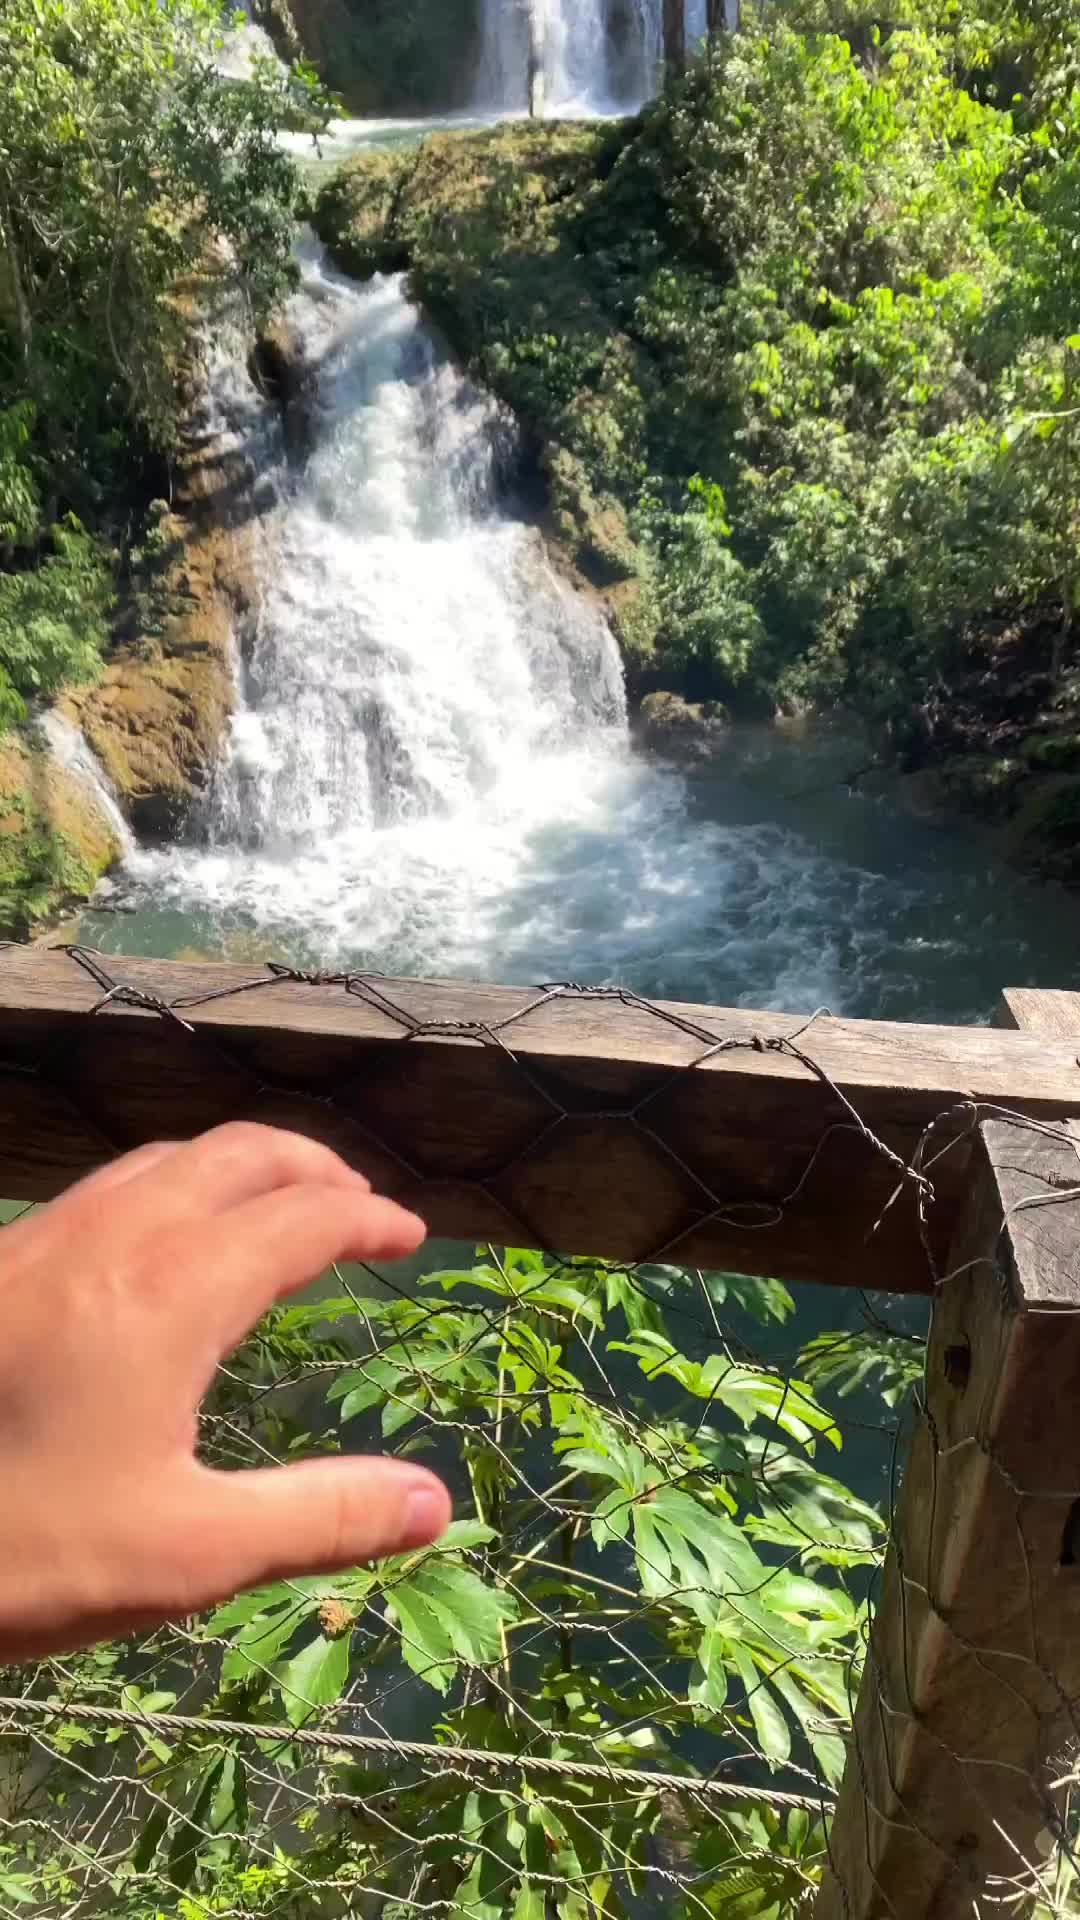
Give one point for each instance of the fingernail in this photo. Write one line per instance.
(424, 1517)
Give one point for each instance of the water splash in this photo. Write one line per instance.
(68, 747)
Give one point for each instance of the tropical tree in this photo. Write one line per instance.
(137, 183)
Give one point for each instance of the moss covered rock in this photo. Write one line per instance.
(55, 840)
(681, 729)
(158, 716)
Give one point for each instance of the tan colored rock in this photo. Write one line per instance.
(157, 718)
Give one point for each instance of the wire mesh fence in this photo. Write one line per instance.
(626, 1683)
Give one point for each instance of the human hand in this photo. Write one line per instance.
(117, 1303)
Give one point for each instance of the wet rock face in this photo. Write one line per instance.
(55, 841)
(281, 369)
(679, 729)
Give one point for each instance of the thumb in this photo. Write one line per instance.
(321, 1516)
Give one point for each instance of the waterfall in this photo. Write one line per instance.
(597, 56)
(242, 45)
(414, 648)
(421, 691)
(69, 749)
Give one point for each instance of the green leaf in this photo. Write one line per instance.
(829, 1750)
(151, 1837)
(229, 1807)
(447, 1616)
(709, 1680)
(315, 1677)
(529, 1904)
(261, 1642)
(774, 1735)
(189, 1837)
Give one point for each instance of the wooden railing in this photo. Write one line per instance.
(864, 1154)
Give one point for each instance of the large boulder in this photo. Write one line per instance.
(681, 729)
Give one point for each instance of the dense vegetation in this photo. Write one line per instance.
(800, 352)
(135, 181)
(653, 1566)
(125, 162)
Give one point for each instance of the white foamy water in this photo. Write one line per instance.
(242, 46)
(594, 57)
(68, 747)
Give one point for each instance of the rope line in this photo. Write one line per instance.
(638, 1778)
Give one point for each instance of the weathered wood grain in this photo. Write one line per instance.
(582, 1124)
(972, 1688)
(1038, 1010)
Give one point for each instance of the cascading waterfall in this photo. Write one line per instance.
(414, 649)
(596, 56)
(421, 691)
(243, 45)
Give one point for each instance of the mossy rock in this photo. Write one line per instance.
(989, 784)
(55, 842)
(1044, 837)
(679, 729)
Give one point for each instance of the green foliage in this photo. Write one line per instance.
(53, 619)
(134, 181)
(650, 1568)
(828, 281)
(890, 1363)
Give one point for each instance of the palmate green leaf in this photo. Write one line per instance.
(447, 1616)
(263, 1624)
(749, 1393)
(890, 1364)
(315, 1677)
(763, 1300)
(787, 1664)
(686, 1548)
(539, 1289)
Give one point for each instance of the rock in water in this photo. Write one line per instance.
(680, 729)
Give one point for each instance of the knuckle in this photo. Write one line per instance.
(240, 1136)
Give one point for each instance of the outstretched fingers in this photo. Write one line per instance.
(321, 1516)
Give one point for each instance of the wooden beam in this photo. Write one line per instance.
(972, 1686)
(577, 1122)
(1036, 1010)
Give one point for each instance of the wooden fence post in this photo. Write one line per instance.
(971, 1694)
